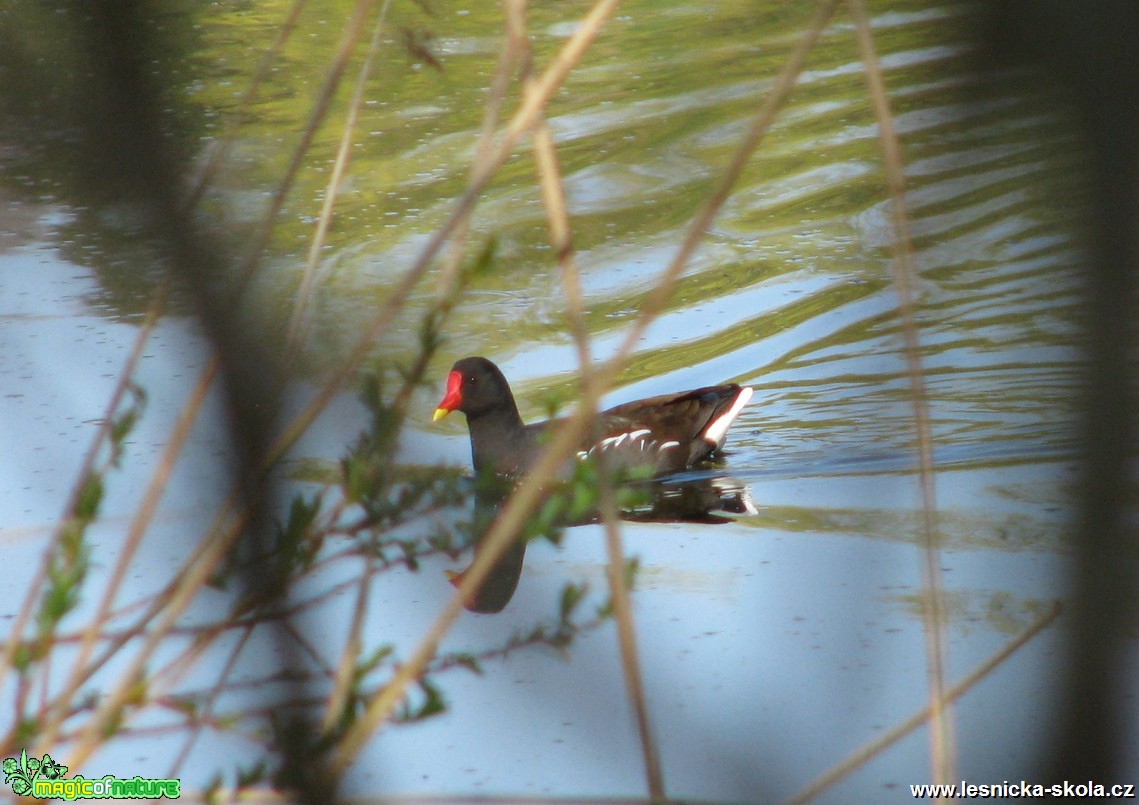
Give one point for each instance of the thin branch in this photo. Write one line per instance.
(905, 727)
(905, 273)
(229, 136)
(302, 307)
(527, 495)
(339, 64)
(98, 441)
(138, 528)
(557, 217)
(168, 608)
(202, 713)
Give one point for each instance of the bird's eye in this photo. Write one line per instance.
(471, 380)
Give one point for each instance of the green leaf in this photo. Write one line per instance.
(123, 425)
(584, 501)
(90, 496)
(373, 660)
(433, 703)
(298, 541)
(572, 595)
(632, 568)
(468, 661)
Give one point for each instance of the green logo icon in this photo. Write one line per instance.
(22, 773)
(44, 778)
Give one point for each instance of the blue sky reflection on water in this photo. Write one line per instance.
(774, 645)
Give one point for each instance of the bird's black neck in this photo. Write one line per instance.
(498, 438)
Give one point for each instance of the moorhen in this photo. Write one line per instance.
(660, 435)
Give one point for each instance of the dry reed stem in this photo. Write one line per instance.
(554, 201)
(655, 301)
(607, 504)
(186, 419)
(172, 603)
(201, 714)
(344, 673)
(522, 120)
(627, 634)
(20, 623)
(323, 101)
(654, 304)
(903, 728)
(301, 308)
(227, 138)
(448, 289)
(448, 281)
(177, 597)
(521, 503)
(135, 532)
(346, 669)
(942, 746)
(198, 568)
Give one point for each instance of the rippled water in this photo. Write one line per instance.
(774, 645)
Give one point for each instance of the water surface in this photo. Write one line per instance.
(774, 645)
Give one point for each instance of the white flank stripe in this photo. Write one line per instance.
(715, 432)
(613, 442)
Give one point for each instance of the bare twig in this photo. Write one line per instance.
(557, 216)
(301, 306)
(138, 527)
(167, 609)
(902, 729)
(520, 505)
(225, 142)
(202, 713)
(97, 443)
(905, 274)
(352, 31)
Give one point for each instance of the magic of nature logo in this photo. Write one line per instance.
(44, 778)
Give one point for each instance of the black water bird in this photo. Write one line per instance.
(661, 435)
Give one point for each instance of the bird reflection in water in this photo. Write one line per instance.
(711, 500)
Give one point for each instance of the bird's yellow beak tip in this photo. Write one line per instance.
(439, 414)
